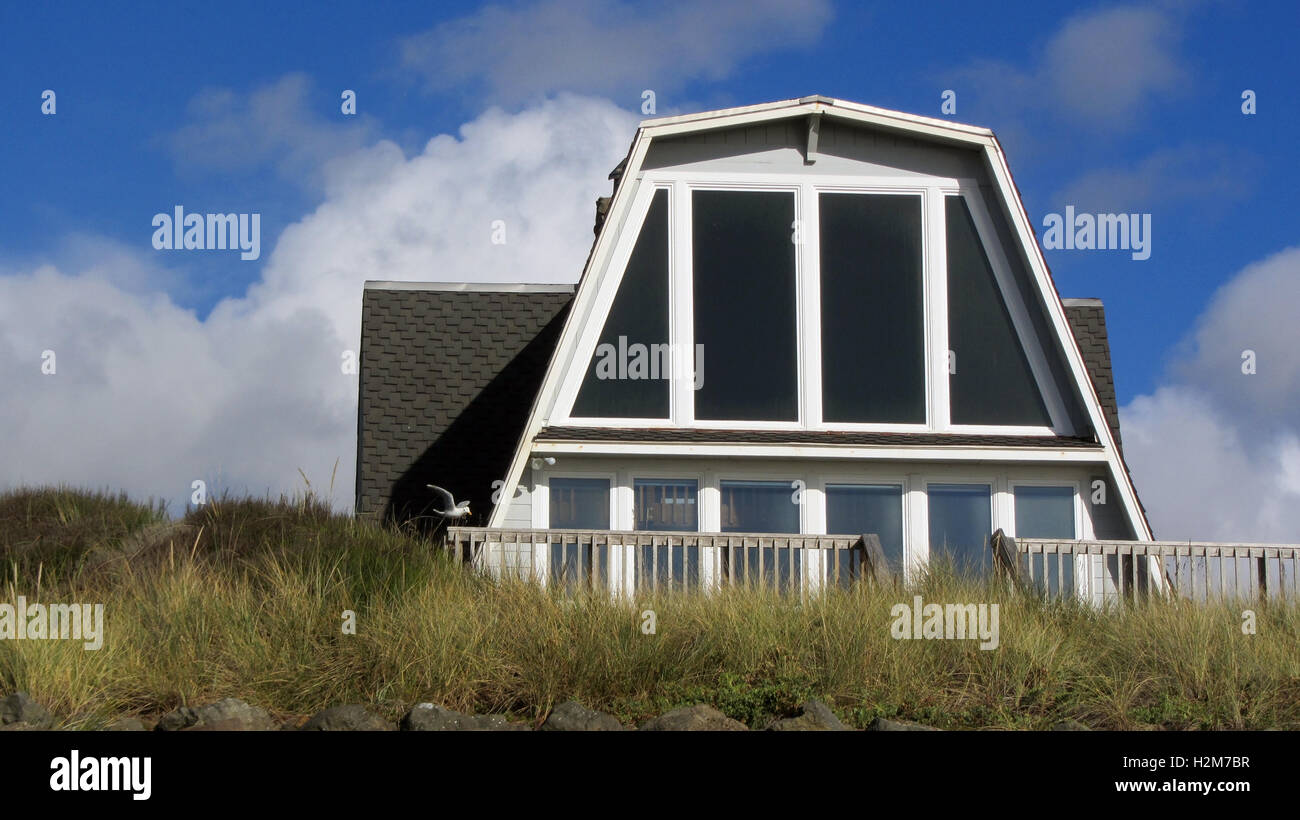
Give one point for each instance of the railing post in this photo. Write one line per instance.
(1006, 558)
(874, 561)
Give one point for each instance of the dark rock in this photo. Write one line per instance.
(1069, 726)
(350, 718)
(697, 718)
(884, 725)
(813, 716)
(226, 715)
(430, 717)
(572, 716)
(20, 708)
(177, 719)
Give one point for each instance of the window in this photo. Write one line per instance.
(872, 308)
(745, 301)
(854, 509)
(1047, 512)
(1044, 512)
(961, 521)
(760, 506)
(630, 371)
(662, 504)
(993, 383)
(578, 504)
(667, 504)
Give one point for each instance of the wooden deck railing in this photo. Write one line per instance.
(642, 560)
(1128, 570)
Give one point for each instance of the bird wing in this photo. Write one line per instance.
(448, 502)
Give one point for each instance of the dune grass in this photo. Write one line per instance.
(245, 598)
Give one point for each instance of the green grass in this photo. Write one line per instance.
(244, 598)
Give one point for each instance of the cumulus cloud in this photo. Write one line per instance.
(276, 125)
(1215, 451)
(1098, 69)
(1202, 172)
(148, 398)
(516, 53)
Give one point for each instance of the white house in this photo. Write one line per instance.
(808, 316)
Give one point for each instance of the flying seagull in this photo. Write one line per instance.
(450, 509)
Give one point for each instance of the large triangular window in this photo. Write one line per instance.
(630, 371)
(990, 380)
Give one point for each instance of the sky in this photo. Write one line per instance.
(172, 366)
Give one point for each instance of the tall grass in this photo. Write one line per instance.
(245, 598)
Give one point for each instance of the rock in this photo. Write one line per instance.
(20, 708)
(430, 717)
(226, 715)
(697, 718)
(126, 724)
(884, 725)
(350, 718)
(572, 716)
(1069, 726)
(177, 719)
(813, 716)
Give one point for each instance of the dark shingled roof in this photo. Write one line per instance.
(448, 376)
(1087, 320)
(709, 436)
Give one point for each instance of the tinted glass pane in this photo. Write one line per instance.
(993, 383)
(667, 504)
(760, 506)
(873, 331)
(629, 373)
(1045, 512)
(744, 272)
(960, 524)
(860, 509)
(579, 503)
(1048, 512)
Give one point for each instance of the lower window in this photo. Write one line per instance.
(961, 521)
(667, 505)
(864, 508)
(578, 504)
(1047, 512)
(766, 507)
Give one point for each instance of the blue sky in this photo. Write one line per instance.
(235, 108)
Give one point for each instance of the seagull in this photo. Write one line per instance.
(450, 509)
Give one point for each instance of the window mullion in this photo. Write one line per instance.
(936, 309)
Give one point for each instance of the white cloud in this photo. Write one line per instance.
(1207, 174)
(1099, 69)
(277, 125)
(148, 398)
(1215, 452)
(601, 46)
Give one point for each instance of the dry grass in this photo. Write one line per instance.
(245, 599)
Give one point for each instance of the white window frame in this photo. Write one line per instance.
(587, 342)
(806, 191)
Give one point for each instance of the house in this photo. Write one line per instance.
(809, 316)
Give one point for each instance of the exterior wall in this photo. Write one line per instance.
(778, 147)
(519, 515)
(815, 475)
